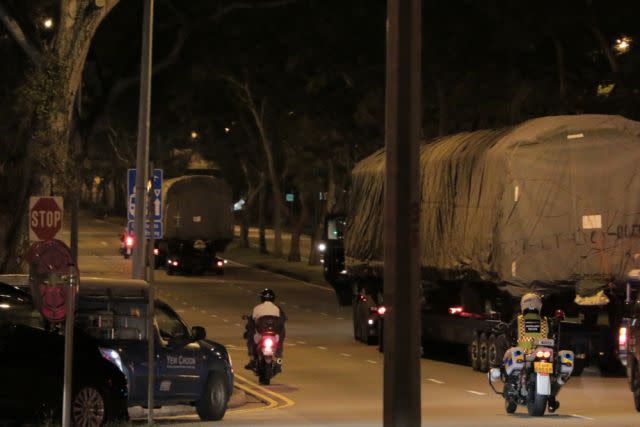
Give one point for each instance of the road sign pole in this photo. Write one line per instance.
(401, 216)
(67, 392)
(142, 159)
(151, 314)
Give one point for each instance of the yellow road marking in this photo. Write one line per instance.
(287, 402)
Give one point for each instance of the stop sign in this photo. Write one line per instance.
(45, 218)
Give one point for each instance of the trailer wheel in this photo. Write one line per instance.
(473, 353)
(493, 356)
(483, 353)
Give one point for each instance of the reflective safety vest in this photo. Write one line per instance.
(531, 327)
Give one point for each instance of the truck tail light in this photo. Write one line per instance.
(622, 337)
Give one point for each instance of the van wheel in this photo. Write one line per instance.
(213, 403)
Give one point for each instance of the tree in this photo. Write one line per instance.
(47, 95)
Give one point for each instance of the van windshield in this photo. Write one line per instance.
(108, 318)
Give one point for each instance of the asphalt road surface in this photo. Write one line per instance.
(328, 379)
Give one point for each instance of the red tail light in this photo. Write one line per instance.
(455, 310)
(129, 241)
(268, 342)
(622, 337)
(156, 251)
(220, 263)
(382, 310)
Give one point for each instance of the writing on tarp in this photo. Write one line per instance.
(579, 238)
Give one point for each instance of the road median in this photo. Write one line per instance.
(296, 270)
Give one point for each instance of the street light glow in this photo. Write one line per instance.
(48, 23)
(194, 134)
(623, 44)
(227, 130)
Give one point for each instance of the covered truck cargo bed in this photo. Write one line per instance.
(553, 202)
(197, 207)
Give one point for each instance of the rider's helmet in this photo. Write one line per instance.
(531, 303)
(267, 295)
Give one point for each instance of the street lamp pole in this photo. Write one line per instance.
(402, 401)
(142, 159)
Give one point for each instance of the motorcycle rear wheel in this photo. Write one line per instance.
(510, 406)
(537, 405)
(265, 374)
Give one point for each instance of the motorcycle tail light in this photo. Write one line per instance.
(129, 241)
(268, 342)
(382, 310)
(156, 251)
(220, 263)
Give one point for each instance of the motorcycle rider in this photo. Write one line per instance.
(530, 326)
(267, 307)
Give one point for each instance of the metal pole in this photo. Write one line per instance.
(402, 215)
(151, 314)
(67, 392)
(142, 159)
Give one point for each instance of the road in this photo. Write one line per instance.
(328, 379)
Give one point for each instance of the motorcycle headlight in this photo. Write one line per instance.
(112, 356)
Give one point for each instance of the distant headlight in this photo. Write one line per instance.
(322, 247)
(112, 356)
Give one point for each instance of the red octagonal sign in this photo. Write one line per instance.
(45, 218)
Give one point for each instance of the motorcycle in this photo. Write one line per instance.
(266, 341)
(126, 245)
(533, 379)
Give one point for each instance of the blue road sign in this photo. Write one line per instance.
(156, 202)
(156, 226)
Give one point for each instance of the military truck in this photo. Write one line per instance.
(198, 223)
(551, 206)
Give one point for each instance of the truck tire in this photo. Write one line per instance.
(635, 383)
(473, 353)
(213, 403)
(483, 353)
(492, 351)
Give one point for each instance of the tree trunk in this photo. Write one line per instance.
(318, 228)
(262, 239)
(294, 250)
(562, 75)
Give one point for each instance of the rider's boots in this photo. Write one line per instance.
(553, 404)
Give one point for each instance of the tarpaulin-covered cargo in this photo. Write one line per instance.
(552, 202)
(197, 207)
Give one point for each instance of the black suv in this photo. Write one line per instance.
(32, 370)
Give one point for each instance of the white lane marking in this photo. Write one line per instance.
(184, 303)
(324, 314)
(301, 342)
(238, 324)
(225, 320)
(582, 417)
(290, 344)
(373, 362)
(321, 347)
(296, 306)
(203, 311)
(104, 243)
(213, 315)
(476, 392)
(340, 318)
(283, 303)
(345, 354)
(180, 311)
(435, 381)
(194, 308)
